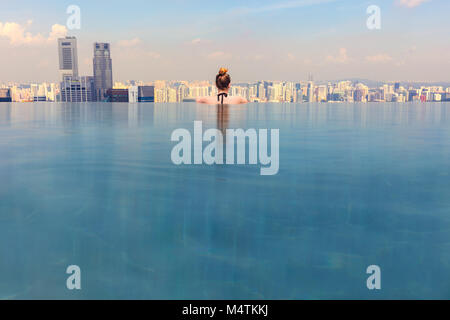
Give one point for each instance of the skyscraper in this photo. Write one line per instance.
(311, 91)
(73, 87)
(102, 70)
(68, 57)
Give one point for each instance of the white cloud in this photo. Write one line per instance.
(410, 3)
(58, 31)
(17, 34)
(379, 58)
(219, 55)
(342, 57)
(129, 43)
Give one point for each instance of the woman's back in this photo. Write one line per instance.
(223, 80)
(226, 100)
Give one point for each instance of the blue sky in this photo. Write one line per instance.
(190, 39)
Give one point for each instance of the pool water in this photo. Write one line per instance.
(93, 185)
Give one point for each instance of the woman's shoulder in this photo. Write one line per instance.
(209, 100)
(228, 100)
(238, 100)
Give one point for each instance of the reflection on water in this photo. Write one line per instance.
(163, 114)
(223, 117)
(93, 185)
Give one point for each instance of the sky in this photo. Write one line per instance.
(256, 39)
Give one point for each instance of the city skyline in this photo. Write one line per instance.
(261, 40)
(76, 88)
(100, 86)
(80, 89)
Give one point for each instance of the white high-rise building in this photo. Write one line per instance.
(68, 57)
(133, 94)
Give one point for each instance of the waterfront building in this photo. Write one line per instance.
(117, 95)
(146, 94)
(5, 95)
(322, 93)
(79, 89)
(133, 94)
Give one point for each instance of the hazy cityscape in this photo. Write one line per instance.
(100, 86)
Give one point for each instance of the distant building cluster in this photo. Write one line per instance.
(15, 92)
(100, 87)
(87, 89)
(308, 91)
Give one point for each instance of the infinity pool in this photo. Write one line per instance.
(93, 185)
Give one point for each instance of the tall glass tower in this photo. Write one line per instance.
(102, 70)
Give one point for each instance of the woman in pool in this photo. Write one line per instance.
(223, 80)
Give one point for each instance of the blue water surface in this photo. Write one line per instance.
(93, 185)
